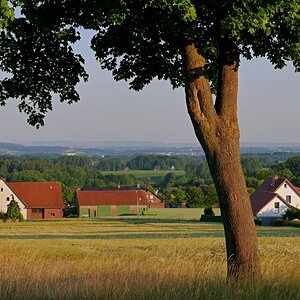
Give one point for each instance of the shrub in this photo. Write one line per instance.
(280, 222)
(72, 216)
(208, 211)
(209, 218)
(292, 213)
(3, 215)
(294, 223)
(258, 222)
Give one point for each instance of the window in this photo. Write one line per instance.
(1, 189)
(7, 198)
(285, 185)
(52, 214)
(288, 198)
(276, 204)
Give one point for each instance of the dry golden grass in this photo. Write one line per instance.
(143, 260)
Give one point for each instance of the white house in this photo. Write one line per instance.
(274, 197)
(37, 200)
(6, 195)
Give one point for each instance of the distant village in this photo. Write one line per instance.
(52, 187)
(43, 200)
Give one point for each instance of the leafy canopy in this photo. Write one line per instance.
(37, 61)
(136, 40)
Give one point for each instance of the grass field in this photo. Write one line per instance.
(138, 259)
(166, 214)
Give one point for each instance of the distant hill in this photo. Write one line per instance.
(18, 149)
(131, 148)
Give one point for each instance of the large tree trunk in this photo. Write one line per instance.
(216, 127)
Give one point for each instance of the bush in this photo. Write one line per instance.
(72, 216)
(258, 222)
(3, 215)
(292, 213)
(208, 211)
(209, 218)
(280, 222)
(294, 224)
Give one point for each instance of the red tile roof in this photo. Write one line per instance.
(38, 194)
(267, 191)
(111, 197)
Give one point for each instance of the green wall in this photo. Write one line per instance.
(123, 210)
(84, 211)
(104, 210)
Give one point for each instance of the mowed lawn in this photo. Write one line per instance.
(138, 259)
(170, 214)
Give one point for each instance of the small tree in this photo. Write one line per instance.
(14, 211)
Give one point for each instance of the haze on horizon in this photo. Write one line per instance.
(269, 104)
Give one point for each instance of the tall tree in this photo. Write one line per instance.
(194, 44)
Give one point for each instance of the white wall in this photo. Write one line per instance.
(284, 191)
(6, 192)
(270, 211)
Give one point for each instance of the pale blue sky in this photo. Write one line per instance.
(269, 106)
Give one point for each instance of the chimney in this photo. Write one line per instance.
(119, 186)
(276, 177)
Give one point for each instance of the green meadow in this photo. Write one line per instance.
(138, 258)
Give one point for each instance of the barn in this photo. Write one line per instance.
(94, 203)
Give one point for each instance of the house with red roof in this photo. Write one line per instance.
(97, 202)
(37, 200)
(273, 197)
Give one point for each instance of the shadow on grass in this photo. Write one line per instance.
(117, 236)
(149, 235)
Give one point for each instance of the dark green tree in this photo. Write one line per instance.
(14, 211)
(177, 197)
(293, 164)
(194, 197)
(251, 165)
(169, 179)
(194, 44)
(67, 194)
(210, 195)
(27, 175)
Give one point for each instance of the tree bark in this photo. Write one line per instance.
(216, 127)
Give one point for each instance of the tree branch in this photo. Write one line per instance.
(198, 93)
